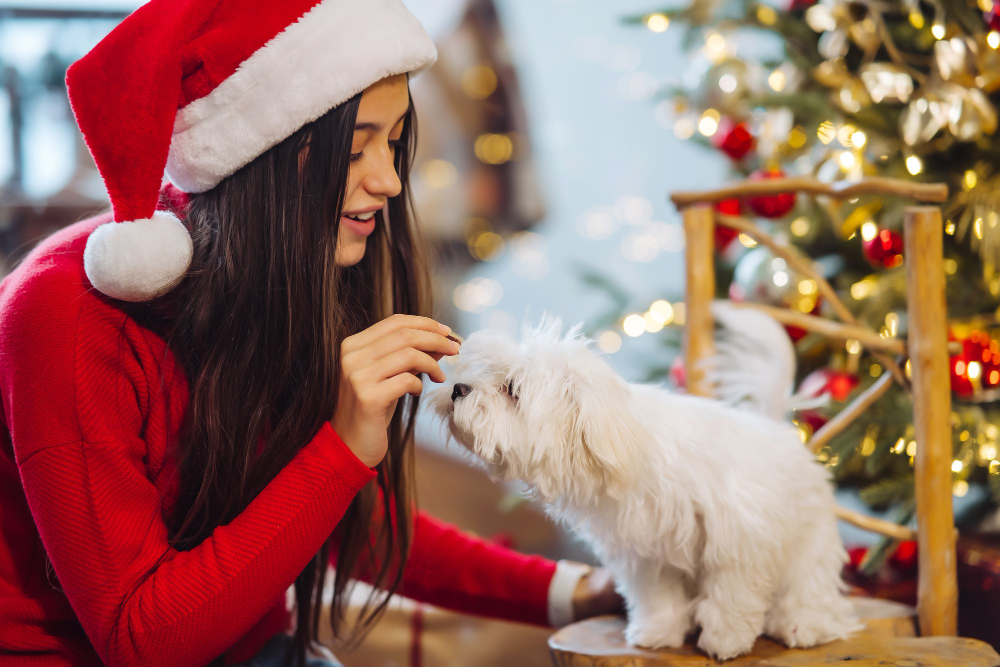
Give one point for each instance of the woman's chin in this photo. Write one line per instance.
(351, 252)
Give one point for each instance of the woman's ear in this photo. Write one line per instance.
(610, 435)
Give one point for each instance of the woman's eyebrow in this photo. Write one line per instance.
(375, 127)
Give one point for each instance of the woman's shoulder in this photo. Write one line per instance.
(49, 284)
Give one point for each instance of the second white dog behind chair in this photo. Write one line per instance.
(708, 515)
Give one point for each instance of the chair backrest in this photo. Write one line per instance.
(926, 347)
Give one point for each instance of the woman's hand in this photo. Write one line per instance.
(595, 594)
(377, 367)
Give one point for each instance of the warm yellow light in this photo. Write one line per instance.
(914, 165)
(862, 288)
(438, 174)
(970, 179)
(987, 452)
(826, 132)
(766, 15)
(487, 246)
(716, 42)
(869, 230)
(956, 466)
(494, 148)
(916, 19)
(993, 39)
(949, 228)
(853, 346)
(875, 370)
(892, 323)
(657, 22)
(684, 128)
(899, 446)
(776, 80)
(994, 467)
(479, 81)
(651, 322)
(977, 228)
(960, 488)
(845, 133)
(797, 137)
(938, 31)
(950, 266)
(807, 287)
(859, 139)
(747, 241)
(985, 5)
(908, 369)
(799, 226)
(911, 449)
(708, 125)
(847, 160)
(975, 370)
(634, 325)
(662, 310)
(609, 342)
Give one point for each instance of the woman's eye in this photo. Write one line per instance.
(396, 143)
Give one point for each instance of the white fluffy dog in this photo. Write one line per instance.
(708, 515)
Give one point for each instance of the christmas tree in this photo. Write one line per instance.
(898, 88)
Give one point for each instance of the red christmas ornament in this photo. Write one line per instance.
(839, 384)
(733, 138)
(992, 17)
(677, 374)
(884, 250)
(977, 366)
(814, 419)
(725, 235)
(771, 206)
(796, 333)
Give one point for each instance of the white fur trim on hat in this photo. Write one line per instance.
(334, 51)
(138, 260)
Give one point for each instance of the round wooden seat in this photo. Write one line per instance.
(889, 638)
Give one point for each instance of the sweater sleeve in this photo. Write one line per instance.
(457, 571)
(73, 392)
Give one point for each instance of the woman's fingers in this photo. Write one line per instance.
(387, 326)
(407, 360)
(425, 341)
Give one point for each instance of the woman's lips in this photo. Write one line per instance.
(360, 228)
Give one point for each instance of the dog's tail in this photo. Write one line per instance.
(754, 362)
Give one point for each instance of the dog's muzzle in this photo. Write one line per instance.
(459, 391)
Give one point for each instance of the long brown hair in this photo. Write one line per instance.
(257, 325)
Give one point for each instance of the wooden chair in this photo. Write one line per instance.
(890, 637)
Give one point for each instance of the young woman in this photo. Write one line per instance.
(209, 393)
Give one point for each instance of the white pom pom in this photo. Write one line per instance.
(138, 260)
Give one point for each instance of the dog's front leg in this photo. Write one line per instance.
(659, 607)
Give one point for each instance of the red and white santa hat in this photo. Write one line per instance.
(198, 89)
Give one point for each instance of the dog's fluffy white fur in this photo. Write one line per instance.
(708, 515)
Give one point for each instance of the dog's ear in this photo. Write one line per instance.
(610, 435)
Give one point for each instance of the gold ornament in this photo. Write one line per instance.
(852, 96)
(956, 60)
(924, 117)
(831, 73)
(887, 82)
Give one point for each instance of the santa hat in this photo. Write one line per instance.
(198, 89)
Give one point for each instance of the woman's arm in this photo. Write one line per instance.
(72, 388)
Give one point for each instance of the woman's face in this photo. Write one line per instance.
(372, 178)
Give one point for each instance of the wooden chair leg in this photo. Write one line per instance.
(699, 254)
(937, 590)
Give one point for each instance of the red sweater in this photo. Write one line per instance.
(87, 453)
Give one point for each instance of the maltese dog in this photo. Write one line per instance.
(708, 514)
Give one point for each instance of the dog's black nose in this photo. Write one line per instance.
(459, 391)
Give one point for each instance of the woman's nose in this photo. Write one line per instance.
(459, 391)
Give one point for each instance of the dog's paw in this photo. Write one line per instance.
(724, 646)
(649, 635)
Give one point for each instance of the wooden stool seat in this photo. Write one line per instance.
(888, 639)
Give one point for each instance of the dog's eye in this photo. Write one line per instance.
(508, 387)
